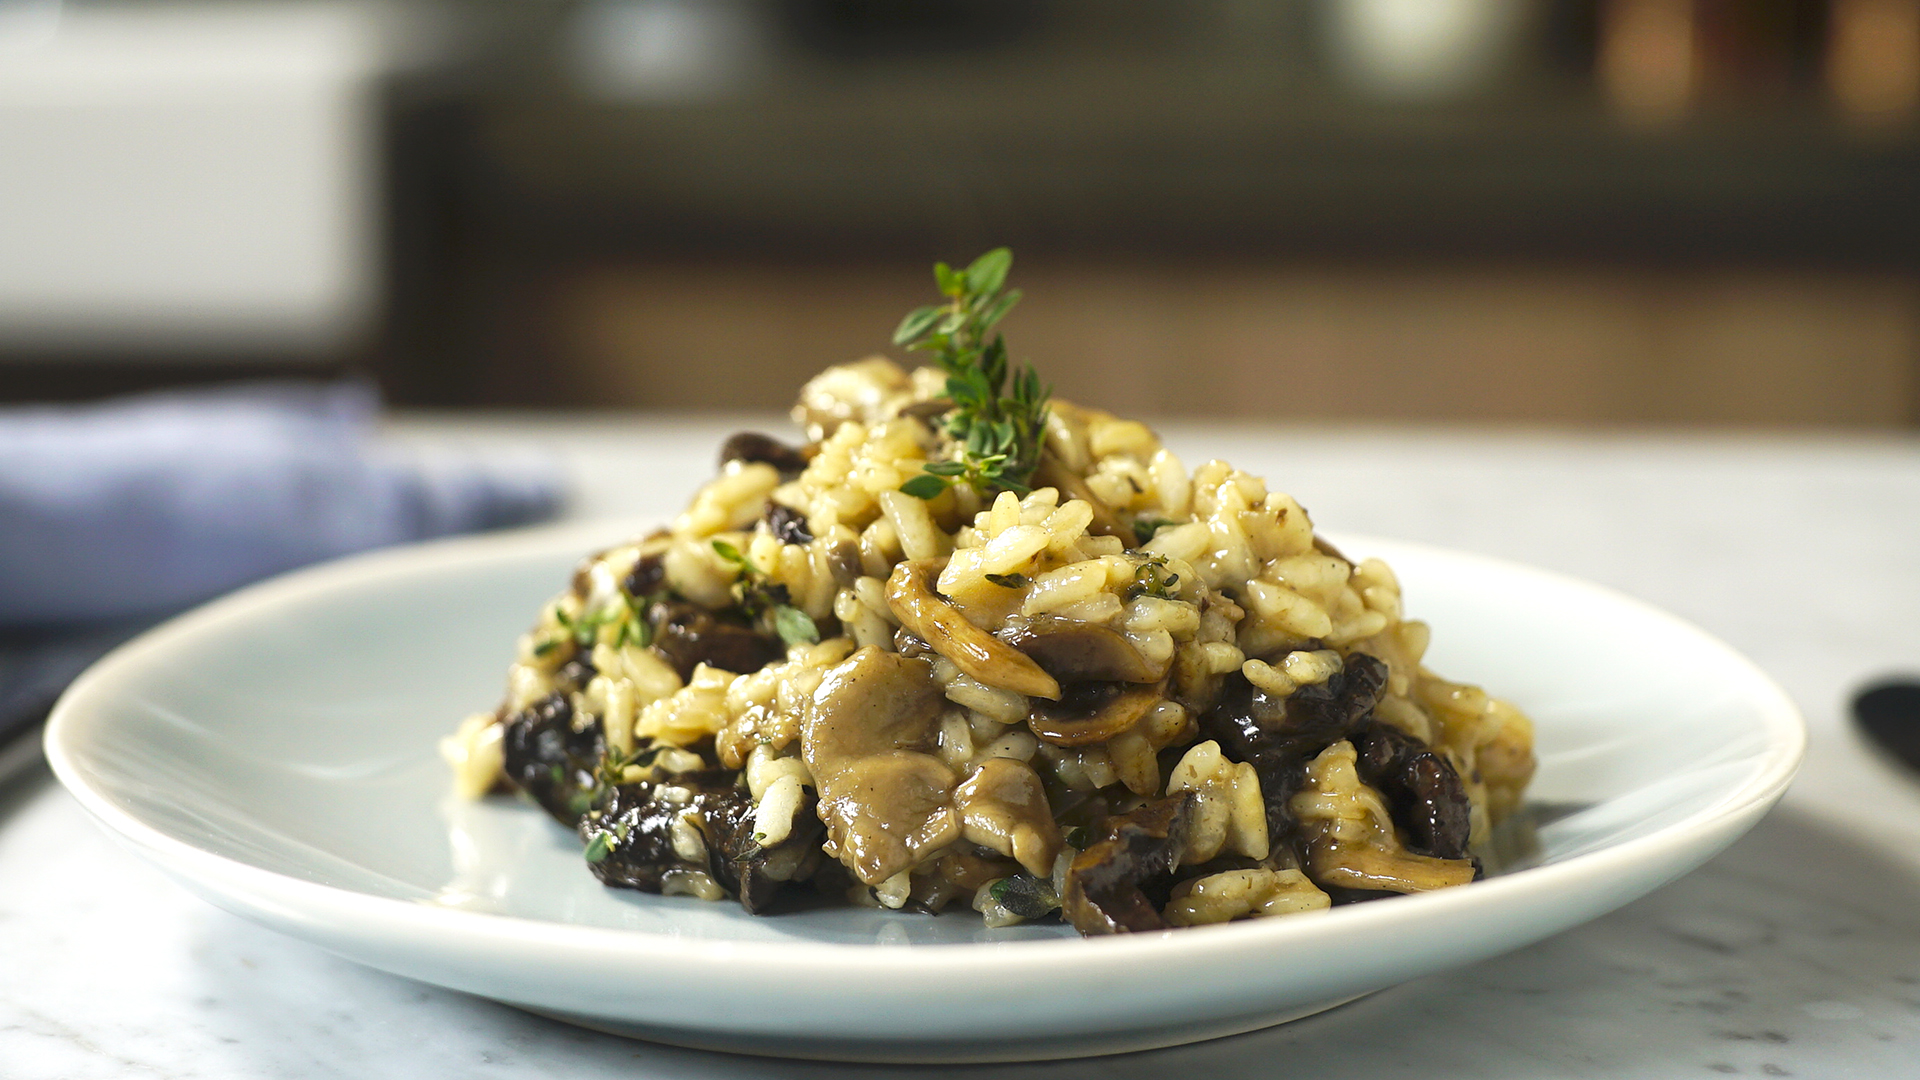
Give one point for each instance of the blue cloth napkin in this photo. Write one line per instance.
(146, 505)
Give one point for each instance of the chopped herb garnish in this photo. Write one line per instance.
(1009, 581)
(1151, 578)
(1026, 896)
(614, 764)
(759, 598)
(626, 614)
(998, 415)
(636, 631)
(794, 626)
(1144, 528)
(599, 847)
(730, 553)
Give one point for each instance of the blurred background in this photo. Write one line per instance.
(1674, 212)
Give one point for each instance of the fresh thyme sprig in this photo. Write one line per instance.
(999, 422)
(628, 616)
(758, 597)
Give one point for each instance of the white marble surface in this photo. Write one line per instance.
(1797, 953)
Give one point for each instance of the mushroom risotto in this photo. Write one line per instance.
(967, 645)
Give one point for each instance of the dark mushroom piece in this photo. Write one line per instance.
(1279, 735)
(1106, 884)
(1090, 713)
(1072, 651)
(1423, 792)
(551, 760)
(754, 447)
(927, 615)
(789, 526)
(687, 635)
(630, 841)
(649, 575)
(886, 801)
(749, 870)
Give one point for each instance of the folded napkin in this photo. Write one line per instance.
(145, 505)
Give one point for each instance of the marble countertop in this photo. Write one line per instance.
(1796, 953)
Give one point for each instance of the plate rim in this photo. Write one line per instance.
(1783, 727)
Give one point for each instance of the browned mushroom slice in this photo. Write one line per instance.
(843, 561)
(687, 635)
(1053, 473)
(1359, 866)
(931, 618)
(1073, 651)
(1104, 885)
(1093, 712)
(753, 446)
(886, 802)
(1003, 807)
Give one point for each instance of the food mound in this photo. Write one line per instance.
(969, 645)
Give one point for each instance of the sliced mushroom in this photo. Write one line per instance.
(1003, 807)
(1423, 792)
(1104, 885)
(843, 561)
(551, 759)
(1053, 473)
(687, 635)
(753, 446)
(885, 800)
(641, 837)
(745, 868)
(912, 599)
(1362, 866)
(1072, 651)
(1093, 712)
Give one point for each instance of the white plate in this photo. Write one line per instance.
(274, 752)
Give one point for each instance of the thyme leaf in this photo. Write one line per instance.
(794, 626)
(599, 847)
(1026, 896)
(925, 486)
